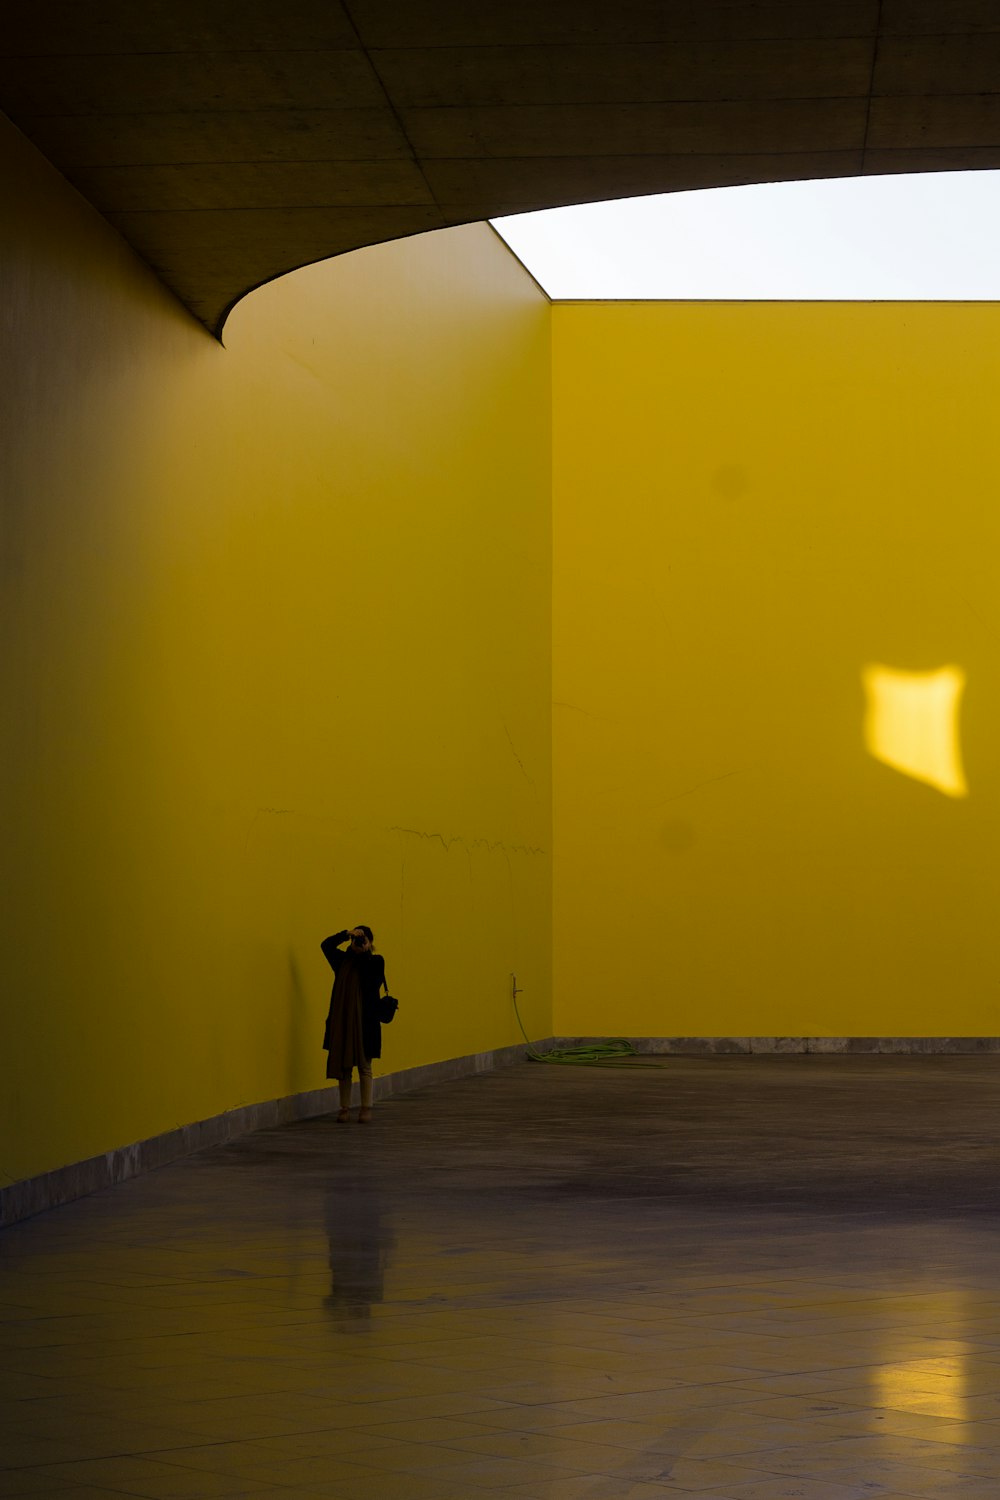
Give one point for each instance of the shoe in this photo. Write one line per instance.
(343, 1117)
(364, 1116)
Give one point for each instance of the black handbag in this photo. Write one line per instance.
(386, 1007)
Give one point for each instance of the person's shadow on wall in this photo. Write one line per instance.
(303, 1044)
(360, 1240)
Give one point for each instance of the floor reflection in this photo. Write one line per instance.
(748, 1278)
(360, 1241)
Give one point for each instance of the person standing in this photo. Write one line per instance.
(353, 1035)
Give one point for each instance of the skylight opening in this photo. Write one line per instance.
(928, 236)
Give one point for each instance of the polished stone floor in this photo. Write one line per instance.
(740, 1278)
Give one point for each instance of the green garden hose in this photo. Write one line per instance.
(614, 1053)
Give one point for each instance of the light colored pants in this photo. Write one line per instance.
(365, 1079)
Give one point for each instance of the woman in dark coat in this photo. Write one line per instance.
(353, 1034)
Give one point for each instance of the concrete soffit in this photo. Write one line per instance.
(230, 143)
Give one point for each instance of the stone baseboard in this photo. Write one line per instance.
(769, 1046)
(33, 1195)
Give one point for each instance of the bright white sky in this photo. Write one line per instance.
(930, 236)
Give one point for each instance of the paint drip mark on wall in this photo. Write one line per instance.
(710, 781)
(490, 845)
(513, 752)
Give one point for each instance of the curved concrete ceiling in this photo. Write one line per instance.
(233, 140)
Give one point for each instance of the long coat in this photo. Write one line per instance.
(370, 968)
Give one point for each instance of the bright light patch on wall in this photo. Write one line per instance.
(927, 236)
(911, 724)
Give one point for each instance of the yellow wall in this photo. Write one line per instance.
(279, 654)
(754, 503)
(276, 644)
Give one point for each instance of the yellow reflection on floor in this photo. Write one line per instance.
(932, 1387)
(911, 724)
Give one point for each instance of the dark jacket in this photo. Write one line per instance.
(372, 980)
